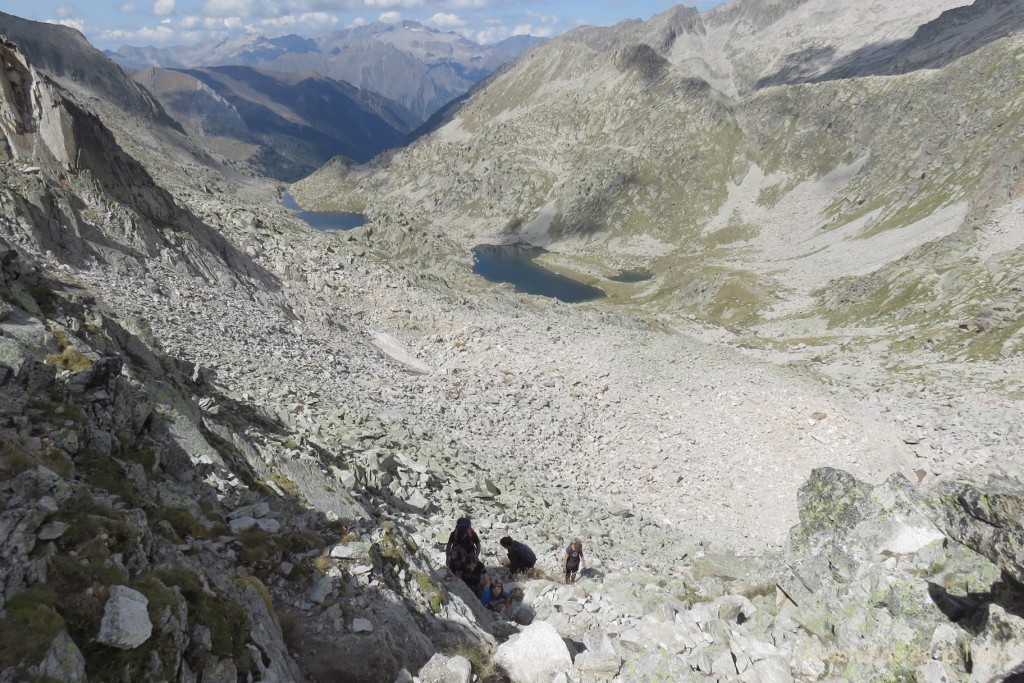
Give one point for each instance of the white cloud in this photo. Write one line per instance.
(309, 20)
(127, 8)
(467, 4)
(234, 8)
(162, 8)
(160, 34)
(358, 21)
(390, 17)
(77, 24)
(493, 34)
(444, 20)
(393, 4)
(544, 18)
(66, 11)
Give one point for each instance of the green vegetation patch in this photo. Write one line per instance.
(28, 630)
(227, 620)
(103, 471)
(430, 589)
(258, 546)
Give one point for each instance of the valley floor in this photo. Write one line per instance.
(680, 425)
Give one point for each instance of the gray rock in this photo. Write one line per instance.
(988, 519)
(258, 510)
(242, 524)
(51, 531)
(63, 661)
(442, 669)
(125, 624)
(999, 649)
(219, 671)
(536, 654)
(418, 503)
(273, 659)
(323, 590)
(600, 658)
(773, 670)
(350, 551)
(935, 672)
(271, 526)
(362, 626)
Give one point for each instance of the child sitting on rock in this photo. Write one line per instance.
(495, 597)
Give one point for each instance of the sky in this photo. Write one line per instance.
(109, 24)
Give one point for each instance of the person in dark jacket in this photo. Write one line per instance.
(520, 557)
(463, 537)
(475, 575)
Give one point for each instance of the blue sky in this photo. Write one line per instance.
(112, 23)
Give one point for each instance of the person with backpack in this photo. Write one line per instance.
(463, 537)
(572, 560)
(474, 574)
(520, 557)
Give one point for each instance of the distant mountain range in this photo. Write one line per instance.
(416, 66)
(284, 125)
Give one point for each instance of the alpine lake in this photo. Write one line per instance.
(516, 264)
(325, 221)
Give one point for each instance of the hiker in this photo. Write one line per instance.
(463, 537)
(495, 597)
(573, 560)
(475, 575)
(520, 557)
(457, 560)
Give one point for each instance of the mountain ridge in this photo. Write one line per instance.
(285, 125)
(393, 60)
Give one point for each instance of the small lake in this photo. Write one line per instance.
(515, 264)
(631, 276)
(324, 220)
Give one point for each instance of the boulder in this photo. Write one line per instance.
(125, 624)
(536, 655)
(442, 669)
(242, 524)
(350, 551)
(988, 519)
(63, 661)
(323, 590)
(997, 653)
(773, 670)
(600, 658)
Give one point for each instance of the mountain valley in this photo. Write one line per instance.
(794, 453)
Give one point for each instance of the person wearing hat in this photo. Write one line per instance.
(463, 537)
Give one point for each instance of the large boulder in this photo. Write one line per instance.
(125, 624)
(537, 655)
(988, 519)
(442, 669)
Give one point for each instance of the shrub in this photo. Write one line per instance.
(28, 630)
(433, 592)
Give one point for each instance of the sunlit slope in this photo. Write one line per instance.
(843, 203)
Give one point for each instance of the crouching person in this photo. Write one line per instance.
(520, 557)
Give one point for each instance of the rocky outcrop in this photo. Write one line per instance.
(987, 518)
